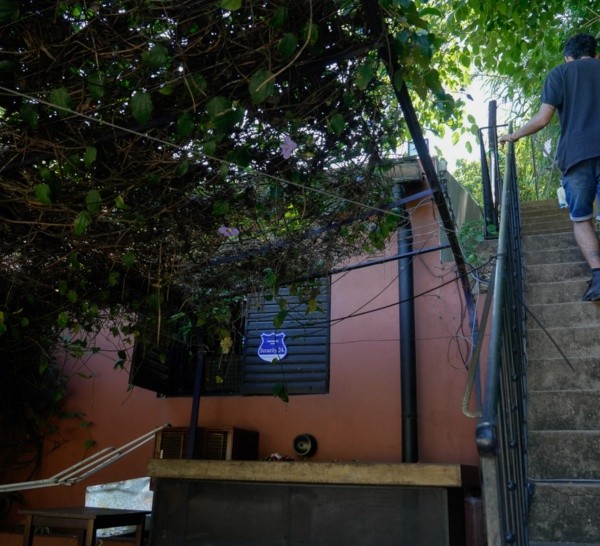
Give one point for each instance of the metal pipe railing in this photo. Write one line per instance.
(85, 468)
(501, 433)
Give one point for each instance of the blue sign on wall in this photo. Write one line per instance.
(272, 346)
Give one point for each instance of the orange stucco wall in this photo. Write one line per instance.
(360, 418)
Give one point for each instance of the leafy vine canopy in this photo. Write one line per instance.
(197, 148)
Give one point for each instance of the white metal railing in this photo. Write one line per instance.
(85, 468)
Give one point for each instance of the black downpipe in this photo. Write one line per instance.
(408, 359)
(195, 410)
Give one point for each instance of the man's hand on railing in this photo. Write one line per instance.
(509, 137)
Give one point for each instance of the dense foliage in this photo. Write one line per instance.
(163, 157)
(510, 47)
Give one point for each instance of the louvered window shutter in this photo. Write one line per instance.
(305, 367)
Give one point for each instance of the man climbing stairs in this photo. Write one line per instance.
(563, 402)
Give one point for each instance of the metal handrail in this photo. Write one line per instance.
(501, 433)
(85, 468)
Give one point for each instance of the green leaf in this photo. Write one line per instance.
(240, 157)
(220, 208)
(120, 203)
(280, 17)
(82, 221)
(364, 75)
(185, 125)
(29, 115)
(43, 193)
(197, 84)
(218, 106)
(280, 391)
(288, 44)
(231, 5)
(113, 278)
(167, 90)
(128, 259)
(8, 66)
(46, 173)
(63, 319)
(72, 296)
(337, 123)
(141, 107)
(310, 32)
(430, 11)
(90, 156)
(74, 261)
(270, 277)
(95, 85)
(223, 115)
(279, 318)
(156, 57)
(43, 366)
(119, 364)
(261, 86)
(93, 200)
(182, 168)
(209, 147)
(9, 11)
(61, 99)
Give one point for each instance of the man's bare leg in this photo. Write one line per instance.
(588, 242)
(590, 248)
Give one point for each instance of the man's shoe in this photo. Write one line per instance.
(593, 291)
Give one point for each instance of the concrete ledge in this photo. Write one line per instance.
(424, 475)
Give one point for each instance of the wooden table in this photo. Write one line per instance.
(86, 520)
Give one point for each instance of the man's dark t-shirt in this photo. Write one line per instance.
(573, 88)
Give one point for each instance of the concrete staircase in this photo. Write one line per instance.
(563, 404)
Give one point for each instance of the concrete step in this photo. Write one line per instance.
(552, 211)
(559, 218)
(546, 225)
(543, 273)
(548, 242)
(583, 342)
(564, 315)
(548, 230)
(566, 514)
(552, 256)
(563, 410)
(555, 292)
(541, 204)
(554, 374)
(564, 454)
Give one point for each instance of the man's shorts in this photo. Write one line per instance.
(582, 183)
